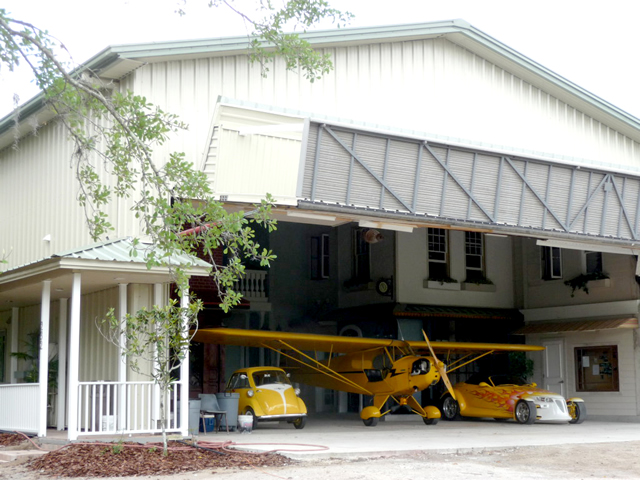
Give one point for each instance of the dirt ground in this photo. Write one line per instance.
(587, 461)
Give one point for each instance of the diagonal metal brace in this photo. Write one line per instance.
(459, 182)
(365, 166)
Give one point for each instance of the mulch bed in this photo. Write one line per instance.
(11, 439)
(131, 459)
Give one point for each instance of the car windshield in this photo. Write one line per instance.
(507, 380)
(266, 377)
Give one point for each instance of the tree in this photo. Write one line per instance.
(118, 131)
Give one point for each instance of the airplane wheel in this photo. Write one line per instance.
(525, 412)
(450, 408)
(370, 422)
(299, 423)
(430, 421)
(578, 412)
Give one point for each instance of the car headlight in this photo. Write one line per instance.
(250, 393)
(297, 390)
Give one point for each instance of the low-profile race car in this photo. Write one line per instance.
(266, 394)
(505, 396)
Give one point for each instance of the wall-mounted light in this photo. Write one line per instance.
(373, 236)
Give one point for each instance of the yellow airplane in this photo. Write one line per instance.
(382, 368)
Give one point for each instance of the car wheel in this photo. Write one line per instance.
(525, 412)
(430, 421)
(300, 422)
(578, 412)
(370, 422)
(249, 411)
(450, 408)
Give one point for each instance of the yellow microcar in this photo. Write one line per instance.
(266, 393)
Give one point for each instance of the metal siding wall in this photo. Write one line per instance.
(38, 194)
(98, 357)
(423, 86)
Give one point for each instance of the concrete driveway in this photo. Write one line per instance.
(345, 435)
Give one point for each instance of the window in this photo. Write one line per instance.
(320, 257)
(361, 256)
(593, 262)
(551, 263)
(474, 256)
(597, 369)
(438, 254)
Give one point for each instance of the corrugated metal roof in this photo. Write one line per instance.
(577, 326)
(121, 251)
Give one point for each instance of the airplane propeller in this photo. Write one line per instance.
(440, 366)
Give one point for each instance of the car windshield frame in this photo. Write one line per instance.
(506, 379)
(270, 377)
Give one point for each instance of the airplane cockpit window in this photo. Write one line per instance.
(420, 367)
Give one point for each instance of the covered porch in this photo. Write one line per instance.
(71, 377)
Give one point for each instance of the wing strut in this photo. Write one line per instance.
(454, 365)
(325, 370)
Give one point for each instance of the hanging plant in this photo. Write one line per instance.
(581, 281)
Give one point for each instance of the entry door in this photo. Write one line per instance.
(554, 366)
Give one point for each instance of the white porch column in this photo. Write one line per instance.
(43, 360)
(15, 329)
(158, 301)
(74, 357)
(122, 364)
(61, 407)
(184, 372)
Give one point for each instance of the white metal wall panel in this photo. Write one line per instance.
(250, 155)
(98, 357)
(431, 86)
(38, 194)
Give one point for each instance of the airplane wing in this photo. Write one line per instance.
(299, 341)
(422, 348)
(338, 344)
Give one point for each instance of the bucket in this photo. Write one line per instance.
(245, 423)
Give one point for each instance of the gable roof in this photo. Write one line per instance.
(117, 61)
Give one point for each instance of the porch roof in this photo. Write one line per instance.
(577, 326)
(103, 265)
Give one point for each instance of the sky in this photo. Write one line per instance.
(594, 45)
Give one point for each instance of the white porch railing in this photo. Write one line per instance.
(125, 407)
(253, 285)
(19, 407)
